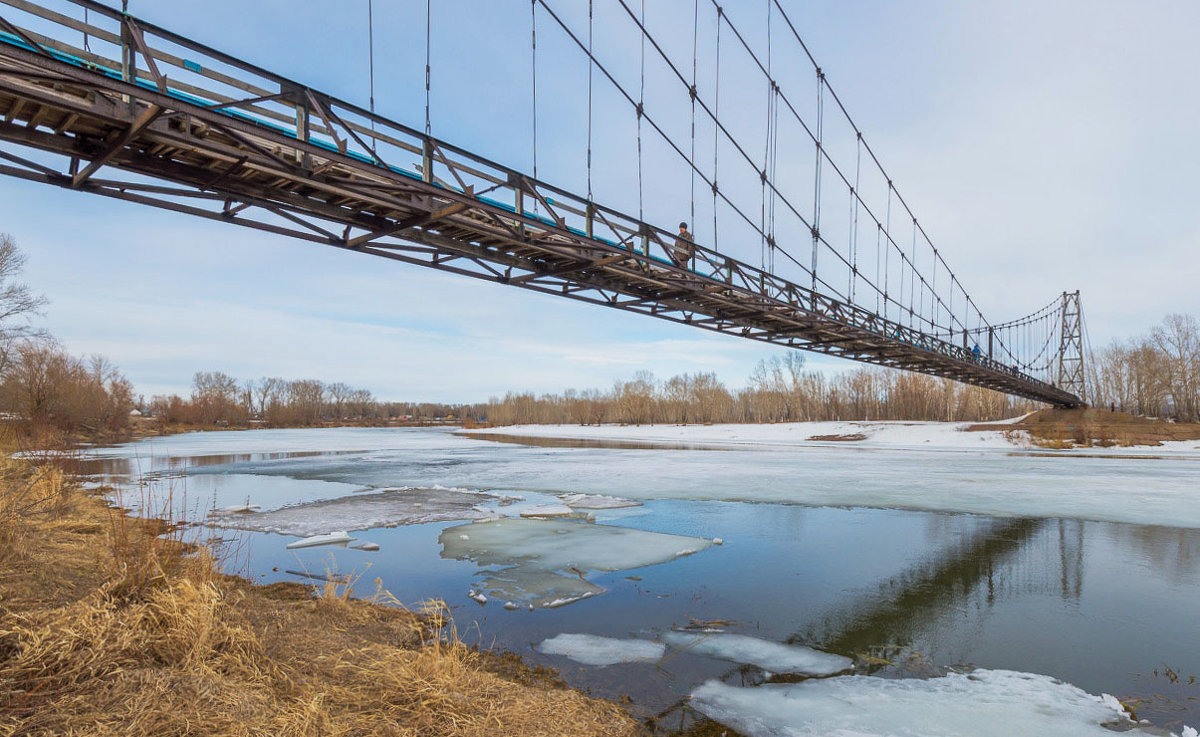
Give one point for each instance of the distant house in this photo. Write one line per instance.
(135, 413)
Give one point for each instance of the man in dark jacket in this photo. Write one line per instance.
(681, 254)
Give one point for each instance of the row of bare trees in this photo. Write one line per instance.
(780, 389)
(46, 388)
(220, 399)
(1155, 375)
(42, 387)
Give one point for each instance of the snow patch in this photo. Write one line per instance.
(878, 434)
(770, 656)
(596, 650)
(983, 703)
(890, 434)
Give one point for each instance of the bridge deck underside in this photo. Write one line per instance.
(188, 157)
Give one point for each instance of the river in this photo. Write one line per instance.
(860, 569)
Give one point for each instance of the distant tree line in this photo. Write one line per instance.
(780, 389)
(1154, 375)
(222, 400)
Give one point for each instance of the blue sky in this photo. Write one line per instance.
(1045, 146)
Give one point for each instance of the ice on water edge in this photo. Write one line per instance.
(982, 703)
(602, 651)
(770, 656)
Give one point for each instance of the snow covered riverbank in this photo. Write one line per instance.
(866, 434)
(925, 466)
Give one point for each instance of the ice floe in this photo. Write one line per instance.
(596, 501)
(362, 511)
(240, 509)
(596, 650)
(329, 538)
(982, 703)
(770, 656)
(548, 510)
(543, 562)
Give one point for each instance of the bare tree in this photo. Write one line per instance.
(216, 397)
(339, 394)
(18, 305)
(635, 399)
(1178, 338)
(268, 392)
(306, 400)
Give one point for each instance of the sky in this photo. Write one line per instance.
(1044, 145)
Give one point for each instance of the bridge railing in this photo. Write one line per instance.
(123, 47)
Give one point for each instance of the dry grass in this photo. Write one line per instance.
(1085, 428)
(113, 626)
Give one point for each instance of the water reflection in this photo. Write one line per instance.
(126, 467)
(1162, 549)
(903, 605)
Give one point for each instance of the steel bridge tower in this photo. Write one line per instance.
(1070, 347)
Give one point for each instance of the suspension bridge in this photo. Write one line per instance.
(96, 100)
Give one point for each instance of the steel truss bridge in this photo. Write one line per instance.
(98, 101)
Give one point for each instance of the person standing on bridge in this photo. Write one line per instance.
(684, 249)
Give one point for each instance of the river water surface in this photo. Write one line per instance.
(1108, 606)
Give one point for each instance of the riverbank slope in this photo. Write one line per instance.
(113, 625)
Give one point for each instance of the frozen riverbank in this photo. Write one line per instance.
(926, 466)
(1000, 436)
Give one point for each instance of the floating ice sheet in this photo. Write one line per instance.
(596, 501)
(363, 511)
(770, 656)
(330, 538)
(980, 704)
(596, 650)
(547, 510)
(543, 562)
